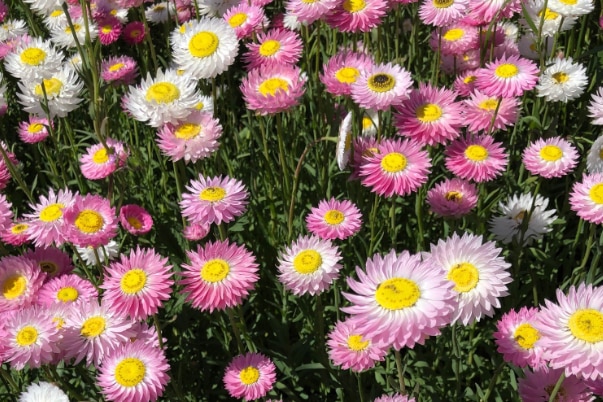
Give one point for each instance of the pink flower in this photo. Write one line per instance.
(275, 47)
(245, 19)
(440, 13)
(100, 161)
(356, 16)
(476, 158)
(35, 130)
(343, 70)
(121, 70)
(135, 219)
(334, 219)
(133, 33)
(249, 376)
(109, 29)
(553, 157)
(489, 113)
(90, 221)
(382, 86)
(350, 349)
(507, 77)
(517, 339)
(586, 198)
(452, 198)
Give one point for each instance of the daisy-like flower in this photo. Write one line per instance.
(133, 33)
(59, 93)
(66, 289)
(192, 139)
(273, 89)
(64, 36)
(517, 339)
(214, 200)
(538, 386)
(46, 223)
(195, 231)
(34, 59)
(455, 39)
(34, 130)
(119, 70)
(489, 113)
(99, 162)
(394, 398)
(105, 253)
(399, 167)
(109, 29)
(138, 284)
(307, 12)
(400, 300)
(469, 60)
(594, 158)
(334, 219)
(430, 116)
(32, 338)
(562, 81)
(14, 233)
(381, 86)
(516, 209)
(595, 107)
(553, 157)
(356, 15)
(43, 391)
(476, 157)
(216, 8)
(344, 141)
(572, 331)
(309, 265)
(135, 219)
(275, 47)
(51, 260)
(167, 98)
(220, 275)
(507, 77)
(464, 84)
(478, 272)
(135, 372)
(20, 281)
(6, 213)
(442, 12)
(207, 48)
(571, 8)
(92, 331)
(586, 198)
(160, 12)
(245, 19)
(343, 70)
(489, 10)
(452, 198)
(249, 376)
(552, 23)
(90, 221)
(350, 349)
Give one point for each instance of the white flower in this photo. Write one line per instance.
(207, 48)
(167, 98)
(510, 226)
(62, 90)
(511, 31)
(344, 141)
(160, 12)
(44, 7)
(43, 392)
(111, 250)
(12, 29)
(562, 81)
(574, 8)
(291, 22)
(594, 159)
(553, 21)
(62, 35)
(34, 60)
(215, 8)
(527, 46)
(595, 107)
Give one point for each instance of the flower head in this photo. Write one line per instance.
(100, 161)
(334, 219)
(507, 77)
(562, 81)
(135, 219)
(249, 376)
(20, 281)
(518, 340)
(476, 157)
(343, 70)
(43, 391)
(34, 130)
(46, 224)
(538, 386)
(586, 198)
(381, 86)
(119, 70)
(452, 198)
(489, 113)
(275, 47)
(440, 13)
(350, 349)
(553, 157)
(66, 289)
(356, 15)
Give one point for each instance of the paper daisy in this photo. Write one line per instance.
(90, 221)
(207, 49)
(275, 47)
(381, 86)
(343, 70)
(135, 219)
(43, 391)
(309, 265)
(219, 276)
(307, 12)
(133, 33)
(586, 198)
(109, 29)
(195, 231)
(34, 130)
(399, 167)
(595, 107)
(395, 398)
(455, 39)
(594, 158)
(476, 157)
(399, 300)
(105, 253)
(552, 23)
(488, 10)
(452, 198)
(14, 233)
(507, 77)
(100, 162)
(66, 289)
(553, 157)
(356, 15)
(515, 210)
(344, 142)
(430, 116)
(538, 385)
(119, 70)
(249, 376)
(36, 59)
(64, 36)
(517, 339)
(20, 281)
(51, 260)
(464, 84)
(214, 200)
(571, 8)
(160, 12)
(477, 270)
(442, 12)
(562, 81)
(334, 219)
(46, 223)
(350, 349)
(138, 284)
(134, 372)
(6, 213)
(489, 113)
(273, 89)
(167, 98)
(245, 19)
(59, 93)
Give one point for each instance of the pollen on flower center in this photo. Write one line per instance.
(249, 375)
(429, 112)
(381, 82)
(506, 70)
(163, 92)
(353, 6)
(215, 270)
(569, 2)
(101, 156)
(203, 44)
(489, 105)
(526, 336)
(356, 343)
(334, 217)
(237, 20)
(134, 222)
(52, 212)
(35, 128)
(560, 77)
(454, 34)
(397, 293)
(476, 153)
(269, 48)
(93, 327)
(442, 3)
(347, 75)
(587, 325)
(67, 294)
(212, 194)
(14, 286)
(130, 372)
(551, 153)
(548, 14)
(469, 79)
(187, 131)
(307, 261)
(52, 87)
(465, 277)
(89, 221)
(273, 85)
(33, 56)
(394, 162)
(133, 281)
(596, 193)
(26, 336)
(116, 67)
(454, 196)
(19, 228)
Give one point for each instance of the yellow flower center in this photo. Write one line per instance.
(596, 193)
(367, 123)
(397, 293)
(14, 286)
(76, 27)
(394, 162)
(187, 131)
(212, 194)
(19, 228)
(134, 222)
(356, 343)
(454, 196)
(465, 277)
(442, 3)
(469, 79)
(269, 48)
(249, 375)
(237, 20)
(560, 77)
(347, 75)
(307, 262)
(101, 156)
(548, 14)
(35, 128)
(52, 212)
(587, 325)
(569, 2)
(334, 217)
(551, 153)
(454, 34)
(215, 270)
(353, 6)
(272, 85)
(163, 92)
(26, 336)
(52, 86)
(56, 13)
(429, 112)
(489, 105)
(89, 221)
(67, 294)
(476, 153)
(133, 281)
(59, 322)
(93, 327)
(526, 336)
(381, 82)
(130, 372)
(116, 67)
(106, 29)
(203, 44)
(33, 56)
(506, 70)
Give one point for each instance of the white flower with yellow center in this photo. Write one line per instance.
(594, 159)
(33, 60)
(167, 98)
(57, 94)
(571, 8)
(64, 35)
(43, 7)
(160, 12)
(552, 22)
(12, 29)
(562, 81)
(207, 49)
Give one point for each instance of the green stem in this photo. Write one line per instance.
(235, 329)
(553, 395)
(400, 370)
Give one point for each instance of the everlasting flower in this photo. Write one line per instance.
(51, 260)
(160, 12)
(507, 77)
(538, 386)
(381, 86)
(104, 253)
(34, 130)
(120, 70)
(476, 157)
(356, 16)
(59, 93)
(350, 349)
(489, 113)
(586, 198)
(573, 8)
(195, 231)
(562, 81)
(6, 213)
(394, 398)
(307, 12)
(99, 161)
(133, 33)
(517, 339)
(46, 224)
(343, 70)
(20, 281)
(452, 198)
(594, 158)
(135, 219)
(90, 221)
(334, 219)
(440, 13)
(310, 265)
(43, 391)
(464, 84)
(245, 19)
(249, 376)
(552, 23)
(275, 47)
(64, 36)
(553, 157)
(455, 39)
(595, 107)
(15, 233)
(33, 60)
(220, 275)
(109, 29)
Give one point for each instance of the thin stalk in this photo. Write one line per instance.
(400, 370)
(235, 329)
(553, 395)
